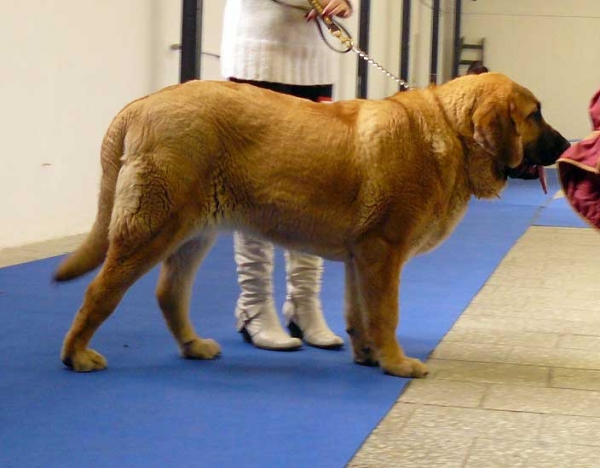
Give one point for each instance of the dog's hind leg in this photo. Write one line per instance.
(128, 258)
(151, 217)
(378, 266)
(101, 298)
(174, 291)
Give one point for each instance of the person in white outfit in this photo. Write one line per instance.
(277, 46)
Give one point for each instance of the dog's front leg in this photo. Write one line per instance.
(377, 265)
(363, 352)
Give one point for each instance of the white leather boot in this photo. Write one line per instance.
(302, 308)
(255, 310)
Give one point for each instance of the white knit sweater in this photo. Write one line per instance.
(265, 41)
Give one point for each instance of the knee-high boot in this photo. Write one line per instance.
(302, 308)
(255, 311)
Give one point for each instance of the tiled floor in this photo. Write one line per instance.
(515, 383)
(30, 252)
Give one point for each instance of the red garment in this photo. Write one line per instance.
(579, 171)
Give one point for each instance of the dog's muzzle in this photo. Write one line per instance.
(551, 149)
(528, 171)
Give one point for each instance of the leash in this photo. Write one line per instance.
(345, 38)
(342, 34)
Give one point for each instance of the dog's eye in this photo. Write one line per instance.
(536, 115)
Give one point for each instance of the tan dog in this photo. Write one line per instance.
(369, 183)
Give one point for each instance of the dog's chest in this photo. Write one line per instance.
(442, 224)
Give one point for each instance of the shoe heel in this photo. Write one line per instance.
(246, 335)
(295, 331)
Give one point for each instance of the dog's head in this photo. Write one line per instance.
(540, 143)
(508, 134)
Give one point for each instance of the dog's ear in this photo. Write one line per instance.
(495, 130)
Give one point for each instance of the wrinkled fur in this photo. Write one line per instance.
(368, 183)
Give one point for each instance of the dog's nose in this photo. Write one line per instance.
(565, 145)
(560, 143)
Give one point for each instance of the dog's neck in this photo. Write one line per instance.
(458, 104)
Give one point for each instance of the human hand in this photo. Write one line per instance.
(331, 8)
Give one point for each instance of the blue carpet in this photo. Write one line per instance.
(249, 408)
(557, 212)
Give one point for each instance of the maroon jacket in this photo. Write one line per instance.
(579, 171)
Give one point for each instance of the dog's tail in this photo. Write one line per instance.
(91, 253)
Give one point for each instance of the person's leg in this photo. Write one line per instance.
(255, 311)
(302, 308)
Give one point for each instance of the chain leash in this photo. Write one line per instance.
(336, 31)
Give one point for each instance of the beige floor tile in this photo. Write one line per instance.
(439, 436)
(493, 453)
(521, 263)
(591, 343)
(505, 323)
(521, 270)
(557, 357)
(526, 268)
(414, 451)
(576, 430)
(542, 400)
(532, 251)
(458, 350)
(393, 422)
(16, 257)
(53, 245)
(546, 304)
(444, 393)
(542, 236)
(485, 372)
(581, 379)
(557, 275)
(526, 356)
(573, 263)
(586, 319)
(506, 278)
(469, 422)
(39, 250)
(503, 337)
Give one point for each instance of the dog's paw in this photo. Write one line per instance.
(86, 360)
(407, 367)
(199, 348)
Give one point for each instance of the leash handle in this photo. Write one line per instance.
(316, 4)
(332, 26)
(344, 37)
